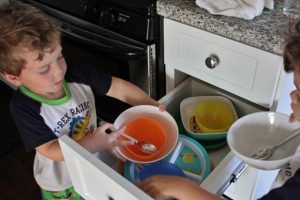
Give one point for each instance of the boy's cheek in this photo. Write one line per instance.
(296, 110)
(295, 96)
(295, 105)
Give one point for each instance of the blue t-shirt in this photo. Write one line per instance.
(290, 190)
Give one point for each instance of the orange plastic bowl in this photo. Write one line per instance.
(147, 130)
(149, 124)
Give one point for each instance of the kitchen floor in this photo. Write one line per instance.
(16, 176)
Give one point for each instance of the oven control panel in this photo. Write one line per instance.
(101, 14)
(136, 19)
(119, 20)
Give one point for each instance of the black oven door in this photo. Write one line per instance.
(85, 42)
(119, 57)
(116, 56)
(97, 52)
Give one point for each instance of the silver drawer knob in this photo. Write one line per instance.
(212, 61)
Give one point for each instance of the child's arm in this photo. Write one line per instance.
(100, 140)
(164, 187)
(295, 105)
(93, 143)
(129, 93)
(51, 150)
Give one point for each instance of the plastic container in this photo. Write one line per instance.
(160, 168)
(291, 8)
(188, 111)
(214, 115)
(188, 155)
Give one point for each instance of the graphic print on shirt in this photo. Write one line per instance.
(79, 126)
(66, 120)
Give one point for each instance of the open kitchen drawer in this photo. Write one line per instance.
(95, 178)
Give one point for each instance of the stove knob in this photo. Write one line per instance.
(89, 12)
(107, 18)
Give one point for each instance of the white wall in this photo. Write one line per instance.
(284, 103)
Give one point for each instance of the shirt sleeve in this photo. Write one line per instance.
(288, 191)
(26, 114)
(99, 81)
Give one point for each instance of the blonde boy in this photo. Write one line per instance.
(52, 101)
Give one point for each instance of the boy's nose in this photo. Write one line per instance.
(58, 69)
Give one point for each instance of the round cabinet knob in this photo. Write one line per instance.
(212, 61)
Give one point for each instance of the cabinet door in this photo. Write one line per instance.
(245, 71)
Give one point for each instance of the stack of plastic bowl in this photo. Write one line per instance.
(147, 124)
(189, 156)
(207, 119)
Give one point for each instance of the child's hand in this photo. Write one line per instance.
(162, 107)
(110, 141)
(166, 187)
(295, 105)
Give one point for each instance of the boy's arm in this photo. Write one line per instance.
(51, 150)
(164, 187)
(93, 143)
(129, 93)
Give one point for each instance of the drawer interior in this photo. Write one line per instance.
(93, 177)
(226, 162)
(194, 87)
(191, 87)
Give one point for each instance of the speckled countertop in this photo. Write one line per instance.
(266, 32)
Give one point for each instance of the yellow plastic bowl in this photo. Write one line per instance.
(213, 116)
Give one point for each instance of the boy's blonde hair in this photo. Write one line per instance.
(24, 28)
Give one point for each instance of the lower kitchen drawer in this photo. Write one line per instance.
(95, 178)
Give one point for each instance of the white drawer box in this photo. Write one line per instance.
(94, 179)
(245, 71)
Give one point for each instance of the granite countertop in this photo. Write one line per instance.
(267, 31)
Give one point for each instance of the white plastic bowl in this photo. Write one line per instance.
(165, 121)
(259, 130)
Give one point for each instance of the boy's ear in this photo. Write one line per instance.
(12, 79)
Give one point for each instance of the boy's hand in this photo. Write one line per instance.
(162, 107)
(295, 105)
(110, 141)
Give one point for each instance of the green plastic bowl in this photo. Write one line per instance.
(188, 109)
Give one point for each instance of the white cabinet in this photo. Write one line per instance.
(245, 71)
(240, 71)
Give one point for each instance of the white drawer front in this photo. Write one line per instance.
(242, 70)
